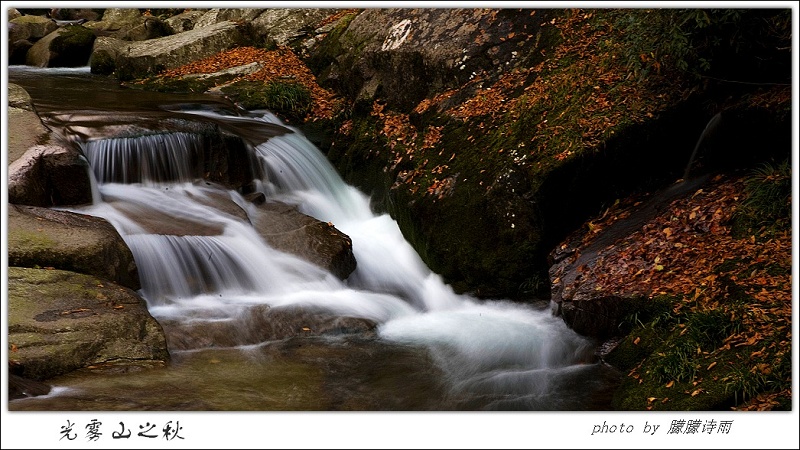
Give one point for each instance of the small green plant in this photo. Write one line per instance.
(767, 202)
(289, 99)
(678, 363)
(745, 383)
(709, 328)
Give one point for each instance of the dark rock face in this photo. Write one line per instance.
(61, 321)
(406, 55)
(42, 237)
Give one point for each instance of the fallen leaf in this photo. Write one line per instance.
(711, 366)
(670, 384)
(637, 340)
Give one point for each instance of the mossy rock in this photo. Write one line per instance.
(72, 47)
(60, 321)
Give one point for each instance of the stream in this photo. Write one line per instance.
(211, 284)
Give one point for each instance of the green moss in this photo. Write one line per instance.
(288, 99)
(679, 366)
(331, 47)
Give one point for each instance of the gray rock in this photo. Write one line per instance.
(31, 27)
(143, 59)
(49, 175)
(288, 230)
(185, 21)
(217, 15)
(60, 321)
(106, 49)
(434, 49)
(42, 237)
(24, 127)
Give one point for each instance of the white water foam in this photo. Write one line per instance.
(496, 345)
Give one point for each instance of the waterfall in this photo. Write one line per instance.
(200, 259)
(149, 158)
(709, 130)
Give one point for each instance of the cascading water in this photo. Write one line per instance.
(202, 264)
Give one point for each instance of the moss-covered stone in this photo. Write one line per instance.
(61, 321)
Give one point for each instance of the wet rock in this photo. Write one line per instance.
(262, 324)
(19, 387)
(49, 175)
(60, 321)
(41, 237)
(288, 230)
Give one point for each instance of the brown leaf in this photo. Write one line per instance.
(711, 366)
(637, 340)
(670, 384)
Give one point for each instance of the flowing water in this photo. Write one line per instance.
(397, 336)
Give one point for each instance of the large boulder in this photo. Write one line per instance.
(103, 60)
(50, 175)
(30, 27)
(41, 171)
(42, 237)
(288, 230)
(142, 59)
(60, 321)
(24, 126)
(69, 46)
